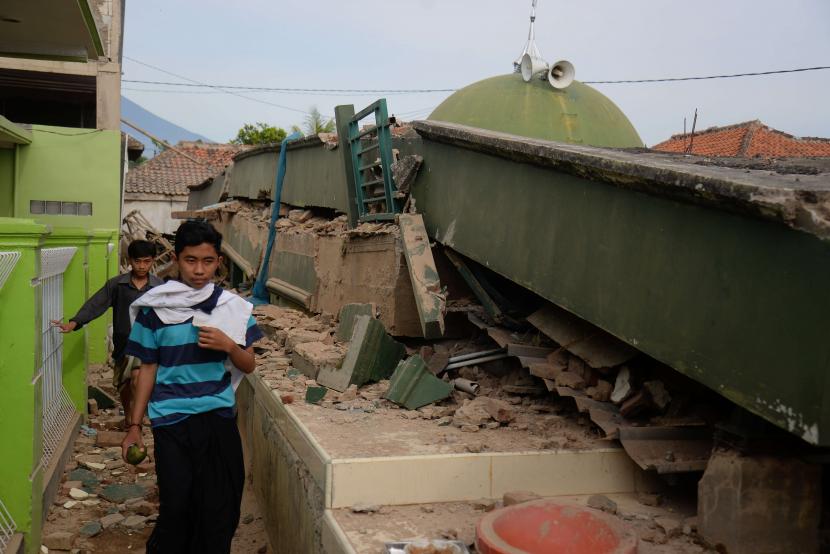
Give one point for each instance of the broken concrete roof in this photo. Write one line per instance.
(171, 173)
(748, 139)
(800, 201)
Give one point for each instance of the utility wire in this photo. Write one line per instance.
(289, 89)
(250, 91)
(304, 112)
(227, 88)
(731, 76)
(165, 143)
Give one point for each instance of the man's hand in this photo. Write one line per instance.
(133, 437)
(214, 339)
(65, 327)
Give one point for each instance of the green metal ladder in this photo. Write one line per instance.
(372, 204)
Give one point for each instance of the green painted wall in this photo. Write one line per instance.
(314, 177)
(99, 272)
(6, 182)
(69, 164)
(198, 199)
(253, 175)
(739, 304)
(20, 398)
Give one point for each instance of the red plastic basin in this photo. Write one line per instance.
(551, 527)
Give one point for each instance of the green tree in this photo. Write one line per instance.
(259, 133)
(314, 123)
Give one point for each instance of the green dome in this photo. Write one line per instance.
(578, 114)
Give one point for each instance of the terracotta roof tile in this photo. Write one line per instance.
(171, 173)
(751, 139)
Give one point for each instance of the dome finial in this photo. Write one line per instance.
(530, 47)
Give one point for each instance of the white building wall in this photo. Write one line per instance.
(157, 209)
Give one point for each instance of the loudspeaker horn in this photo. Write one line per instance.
(561, 74)
(530, 66)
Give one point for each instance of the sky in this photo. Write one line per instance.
(448, 44)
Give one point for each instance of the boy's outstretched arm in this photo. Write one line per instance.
(146, 379)
(214, 339)
(93, 308)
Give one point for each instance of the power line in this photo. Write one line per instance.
(304, 112)
(251, 91)
(227, 88)
(296, 90)
(731, 76)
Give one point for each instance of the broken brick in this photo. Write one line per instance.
(601, 391)
(300, 336)
(499, 410)
(572, 380)
(311, 357)
(637, 404)
(544, 370)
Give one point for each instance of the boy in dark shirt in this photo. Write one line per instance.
(193, 340)
(118, 293)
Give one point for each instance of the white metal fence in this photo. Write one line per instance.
(7, 262)
(7, 527)
(57, 407)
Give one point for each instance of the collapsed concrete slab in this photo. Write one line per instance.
(372, 356)
(429, 299)
(368, 267)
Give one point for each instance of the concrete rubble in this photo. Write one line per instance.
(105, 505)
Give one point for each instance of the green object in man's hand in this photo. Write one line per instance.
(136, 455)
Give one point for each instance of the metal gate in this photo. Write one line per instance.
(58, 410)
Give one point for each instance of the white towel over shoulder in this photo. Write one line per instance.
(173, 303)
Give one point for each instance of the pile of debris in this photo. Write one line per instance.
(352, 365)
(107, 506)
(135, 226)
(103, 499)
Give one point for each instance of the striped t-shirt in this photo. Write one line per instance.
(190, 379)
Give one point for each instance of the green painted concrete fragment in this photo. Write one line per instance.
(313, 395)
(348, 313)
(412, 385)
(372, 356)
(423, 273)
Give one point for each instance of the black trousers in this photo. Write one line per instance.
(201, 475)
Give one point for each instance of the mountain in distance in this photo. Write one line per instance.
(154, 124)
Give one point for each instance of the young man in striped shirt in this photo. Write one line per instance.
(192, 338)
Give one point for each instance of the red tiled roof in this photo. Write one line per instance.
(751, 139)
(171, 173)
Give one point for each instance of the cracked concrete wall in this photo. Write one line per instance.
(368, 269)
(292, 501)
